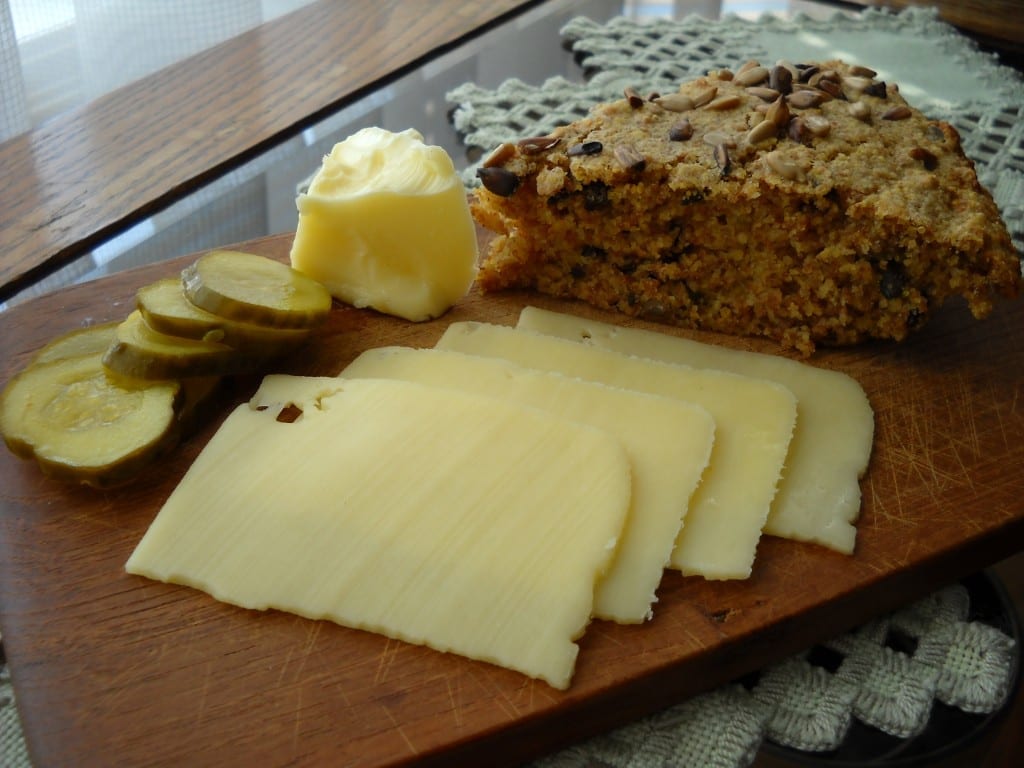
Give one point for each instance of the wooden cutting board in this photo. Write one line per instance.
(115, 669)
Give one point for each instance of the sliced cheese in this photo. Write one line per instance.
(819, 496)
(753, 423)
(668, 443)
(425, 514)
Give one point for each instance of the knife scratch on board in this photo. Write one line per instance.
(697, 641)
(385, 660)
(284, 665)
(1011, 408)
(312, 633)
(453, 703)
(297, 722)
(879, 504)
(962, 472)
(399, 729)
(204, 693)
(507, 705)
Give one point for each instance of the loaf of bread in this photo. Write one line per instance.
(806, 203)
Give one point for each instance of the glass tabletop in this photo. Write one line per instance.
(103, 45)
(56, 55)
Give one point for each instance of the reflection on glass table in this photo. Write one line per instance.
(69, 53)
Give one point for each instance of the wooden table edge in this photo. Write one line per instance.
(67, 214)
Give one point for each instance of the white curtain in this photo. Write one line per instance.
(124, 40)
(59, 54)
(13, 105)
(56, 54)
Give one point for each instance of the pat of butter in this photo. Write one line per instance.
(754, 421)
(819, 496)
(668, 443)
(425, 514)
(386, 224)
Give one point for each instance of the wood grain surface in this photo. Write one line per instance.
(995, 24)
(115, 669)
(71, 183)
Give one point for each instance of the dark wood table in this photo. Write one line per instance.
(997, 25)
(92, 172)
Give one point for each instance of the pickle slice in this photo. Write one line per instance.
(166, 309)
(83, 341)
(139, 352)
(254, 289)
(81, 424)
